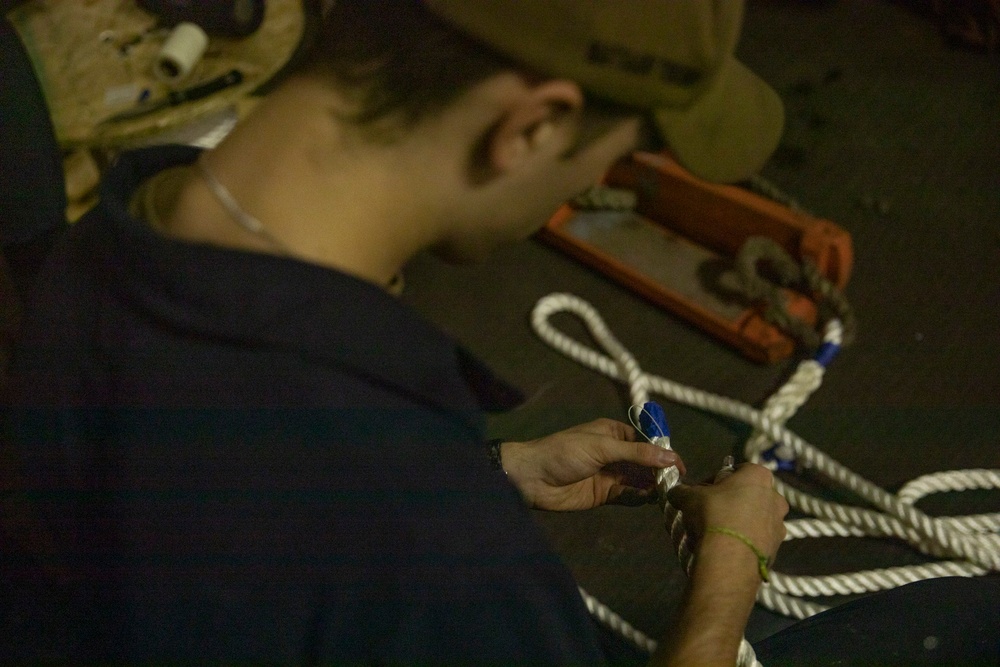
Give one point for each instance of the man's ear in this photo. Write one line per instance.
(541, 120)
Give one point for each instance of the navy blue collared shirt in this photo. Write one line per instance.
(248, 457)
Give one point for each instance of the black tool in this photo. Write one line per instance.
(176, 97)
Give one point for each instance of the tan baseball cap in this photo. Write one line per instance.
(671, 57)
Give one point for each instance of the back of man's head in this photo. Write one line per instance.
(399, 60)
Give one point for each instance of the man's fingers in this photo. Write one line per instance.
(639, 453)
(610, 427)
(657, 457)
(755, 473)
(677, 495)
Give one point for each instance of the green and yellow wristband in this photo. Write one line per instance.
(762, 559)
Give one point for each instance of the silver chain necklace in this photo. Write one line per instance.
(235, 211)
(255, 226)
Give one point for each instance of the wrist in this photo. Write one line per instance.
(507, 455)
(725, 559)
(763, 562)
(717, 603)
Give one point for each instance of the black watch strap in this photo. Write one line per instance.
(493, 452)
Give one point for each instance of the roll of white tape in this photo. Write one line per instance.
(181, 52)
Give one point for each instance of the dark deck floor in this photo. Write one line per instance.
(896, 137)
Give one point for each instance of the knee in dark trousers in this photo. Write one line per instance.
(948, 621)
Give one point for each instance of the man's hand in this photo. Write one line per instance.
(744, 501)
(726, 572)
(586, 466)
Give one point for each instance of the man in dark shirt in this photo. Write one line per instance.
(243, 447)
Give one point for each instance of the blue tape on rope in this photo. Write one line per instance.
(781, 463)
(826, 353)
(653, 420)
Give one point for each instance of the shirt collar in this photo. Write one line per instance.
(266, 299)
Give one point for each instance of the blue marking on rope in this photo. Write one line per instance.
(653, 420)
(826, 353)
(782, 464)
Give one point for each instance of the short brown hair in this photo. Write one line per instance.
(400, 63)
(397, 61)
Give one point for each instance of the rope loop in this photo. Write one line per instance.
(971, 544)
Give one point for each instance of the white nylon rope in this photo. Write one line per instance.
(972, 543)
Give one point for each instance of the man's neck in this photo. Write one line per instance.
(319, 196)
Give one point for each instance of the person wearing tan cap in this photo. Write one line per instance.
(245, 448)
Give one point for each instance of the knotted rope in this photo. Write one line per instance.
(803, 276)
(971, 543)
(745, 280)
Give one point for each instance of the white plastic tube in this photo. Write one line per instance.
(183, 50)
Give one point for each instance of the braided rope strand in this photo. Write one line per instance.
(970, 543)
(622, 366)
